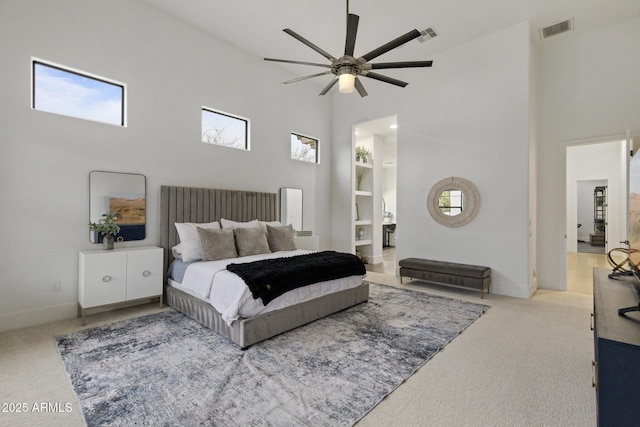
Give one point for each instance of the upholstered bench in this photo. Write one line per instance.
(447, 273)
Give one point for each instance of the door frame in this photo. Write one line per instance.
(563, 146)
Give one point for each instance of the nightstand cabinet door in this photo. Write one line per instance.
(616, 370)
(103, 278)
(144, 273)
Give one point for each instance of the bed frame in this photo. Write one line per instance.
(188, 204)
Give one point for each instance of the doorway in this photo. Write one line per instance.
(592, 222)
(383, 134)
(389, 203)
(591, 209)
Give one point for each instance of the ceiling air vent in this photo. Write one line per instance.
(557, 28)
(427, 34)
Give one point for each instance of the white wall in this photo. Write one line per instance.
(390, 172)
(589, 89)
(467, 116)
(171, 71)
(390, 182)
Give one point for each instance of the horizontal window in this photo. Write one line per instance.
(56, 89)
(224, 129)
(304, 148)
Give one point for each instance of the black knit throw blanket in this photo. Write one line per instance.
(268, 279)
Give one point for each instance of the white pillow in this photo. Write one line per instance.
(227, 223)
(176, 251)
(190, 240)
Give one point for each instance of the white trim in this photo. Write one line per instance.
(38, 316)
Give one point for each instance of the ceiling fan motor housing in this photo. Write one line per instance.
(348, 69)
(346, 65)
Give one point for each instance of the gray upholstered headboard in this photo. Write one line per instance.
(189, 204)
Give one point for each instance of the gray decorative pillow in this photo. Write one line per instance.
(251, 241)
(281, 238)
(217, 244)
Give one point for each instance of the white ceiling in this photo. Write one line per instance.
(256, 26)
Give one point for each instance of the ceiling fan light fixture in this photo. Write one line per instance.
(346, 80)
(348, 68)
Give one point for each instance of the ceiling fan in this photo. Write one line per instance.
(347, 69)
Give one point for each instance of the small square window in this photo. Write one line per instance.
(450, 202)
(224, 129)
(71, 93)
(304, 148)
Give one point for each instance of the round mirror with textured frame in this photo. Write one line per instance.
(459, 191)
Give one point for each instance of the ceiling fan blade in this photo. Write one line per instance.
(311, 45)
(329, 86)
(306, 77)
(352, 30)
(298, 62)
(404, 64)
(360, 88)
(385, 79)
(413, 34)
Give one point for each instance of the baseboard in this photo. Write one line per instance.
(37, 316)
(509, 291)
(376, 259)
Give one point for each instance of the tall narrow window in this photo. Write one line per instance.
(224, 129)
(71, 93)
(304, 148)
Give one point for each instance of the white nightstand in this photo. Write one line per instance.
(119, 275)
(311, 243)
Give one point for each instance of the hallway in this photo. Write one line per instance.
(580, 267)
(389, 262)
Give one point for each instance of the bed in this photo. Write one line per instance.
(201, 206)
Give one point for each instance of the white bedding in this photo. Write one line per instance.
(231, 297)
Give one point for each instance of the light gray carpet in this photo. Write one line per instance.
(166, 369)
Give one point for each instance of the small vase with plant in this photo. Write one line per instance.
(107, 228)
(359, 177)
(361, 154)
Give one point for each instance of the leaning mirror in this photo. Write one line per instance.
(453, 201)
(124, 194)
(291, 207)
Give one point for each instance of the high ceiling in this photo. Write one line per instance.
(256, 25)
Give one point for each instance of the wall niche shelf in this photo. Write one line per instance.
(366, 191)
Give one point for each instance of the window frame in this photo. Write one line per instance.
(450, 207)
(317, 148)
(247, 128)
(83, 74)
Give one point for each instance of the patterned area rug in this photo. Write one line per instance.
(166, 369)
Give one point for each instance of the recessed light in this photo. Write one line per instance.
(393, 127)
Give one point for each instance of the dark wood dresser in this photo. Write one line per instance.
(616, 369)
